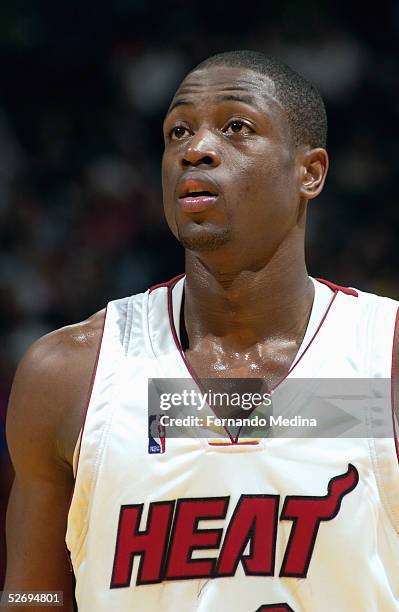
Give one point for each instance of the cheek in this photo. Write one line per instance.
(264, 190)
(275, 176)
(167, 180)
(167, 191)
(256, 180)
(259, 165)
(164, 172)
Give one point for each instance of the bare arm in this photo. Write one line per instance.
(46, 406)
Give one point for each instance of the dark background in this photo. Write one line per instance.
(84, 86)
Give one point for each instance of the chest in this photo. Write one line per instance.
(268, 361)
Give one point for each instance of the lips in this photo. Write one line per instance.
(196, 194)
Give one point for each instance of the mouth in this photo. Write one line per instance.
(195, 196)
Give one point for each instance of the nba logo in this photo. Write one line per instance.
(156, 435)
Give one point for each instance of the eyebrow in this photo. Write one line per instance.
(181, 102)
(223, 98)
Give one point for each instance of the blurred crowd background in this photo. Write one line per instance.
(84, 87)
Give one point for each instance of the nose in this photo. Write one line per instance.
(201, 150)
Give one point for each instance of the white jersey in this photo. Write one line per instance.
(279, 524)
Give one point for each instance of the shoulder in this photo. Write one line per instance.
(50, 389)
(66, 340)
(60, 357)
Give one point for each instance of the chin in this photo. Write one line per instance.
(202, 240)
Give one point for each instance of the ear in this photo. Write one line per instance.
(314, 166)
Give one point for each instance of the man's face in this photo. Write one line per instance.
(230, 176)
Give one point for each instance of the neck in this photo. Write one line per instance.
(252, 304)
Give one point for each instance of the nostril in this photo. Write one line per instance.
(208, 160)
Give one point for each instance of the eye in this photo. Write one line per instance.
(238, 127)
(178, 132)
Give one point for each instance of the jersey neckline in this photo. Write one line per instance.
(319, 312)
(174, 302)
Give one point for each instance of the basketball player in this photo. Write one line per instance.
(280, 524)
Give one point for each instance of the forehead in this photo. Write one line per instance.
(220, 82)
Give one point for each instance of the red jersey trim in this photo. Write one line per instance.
(220, 443)
(394, 382)
(293, 366)
(93, 377)
(179, 347)
(169, 283)
(335, 287)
